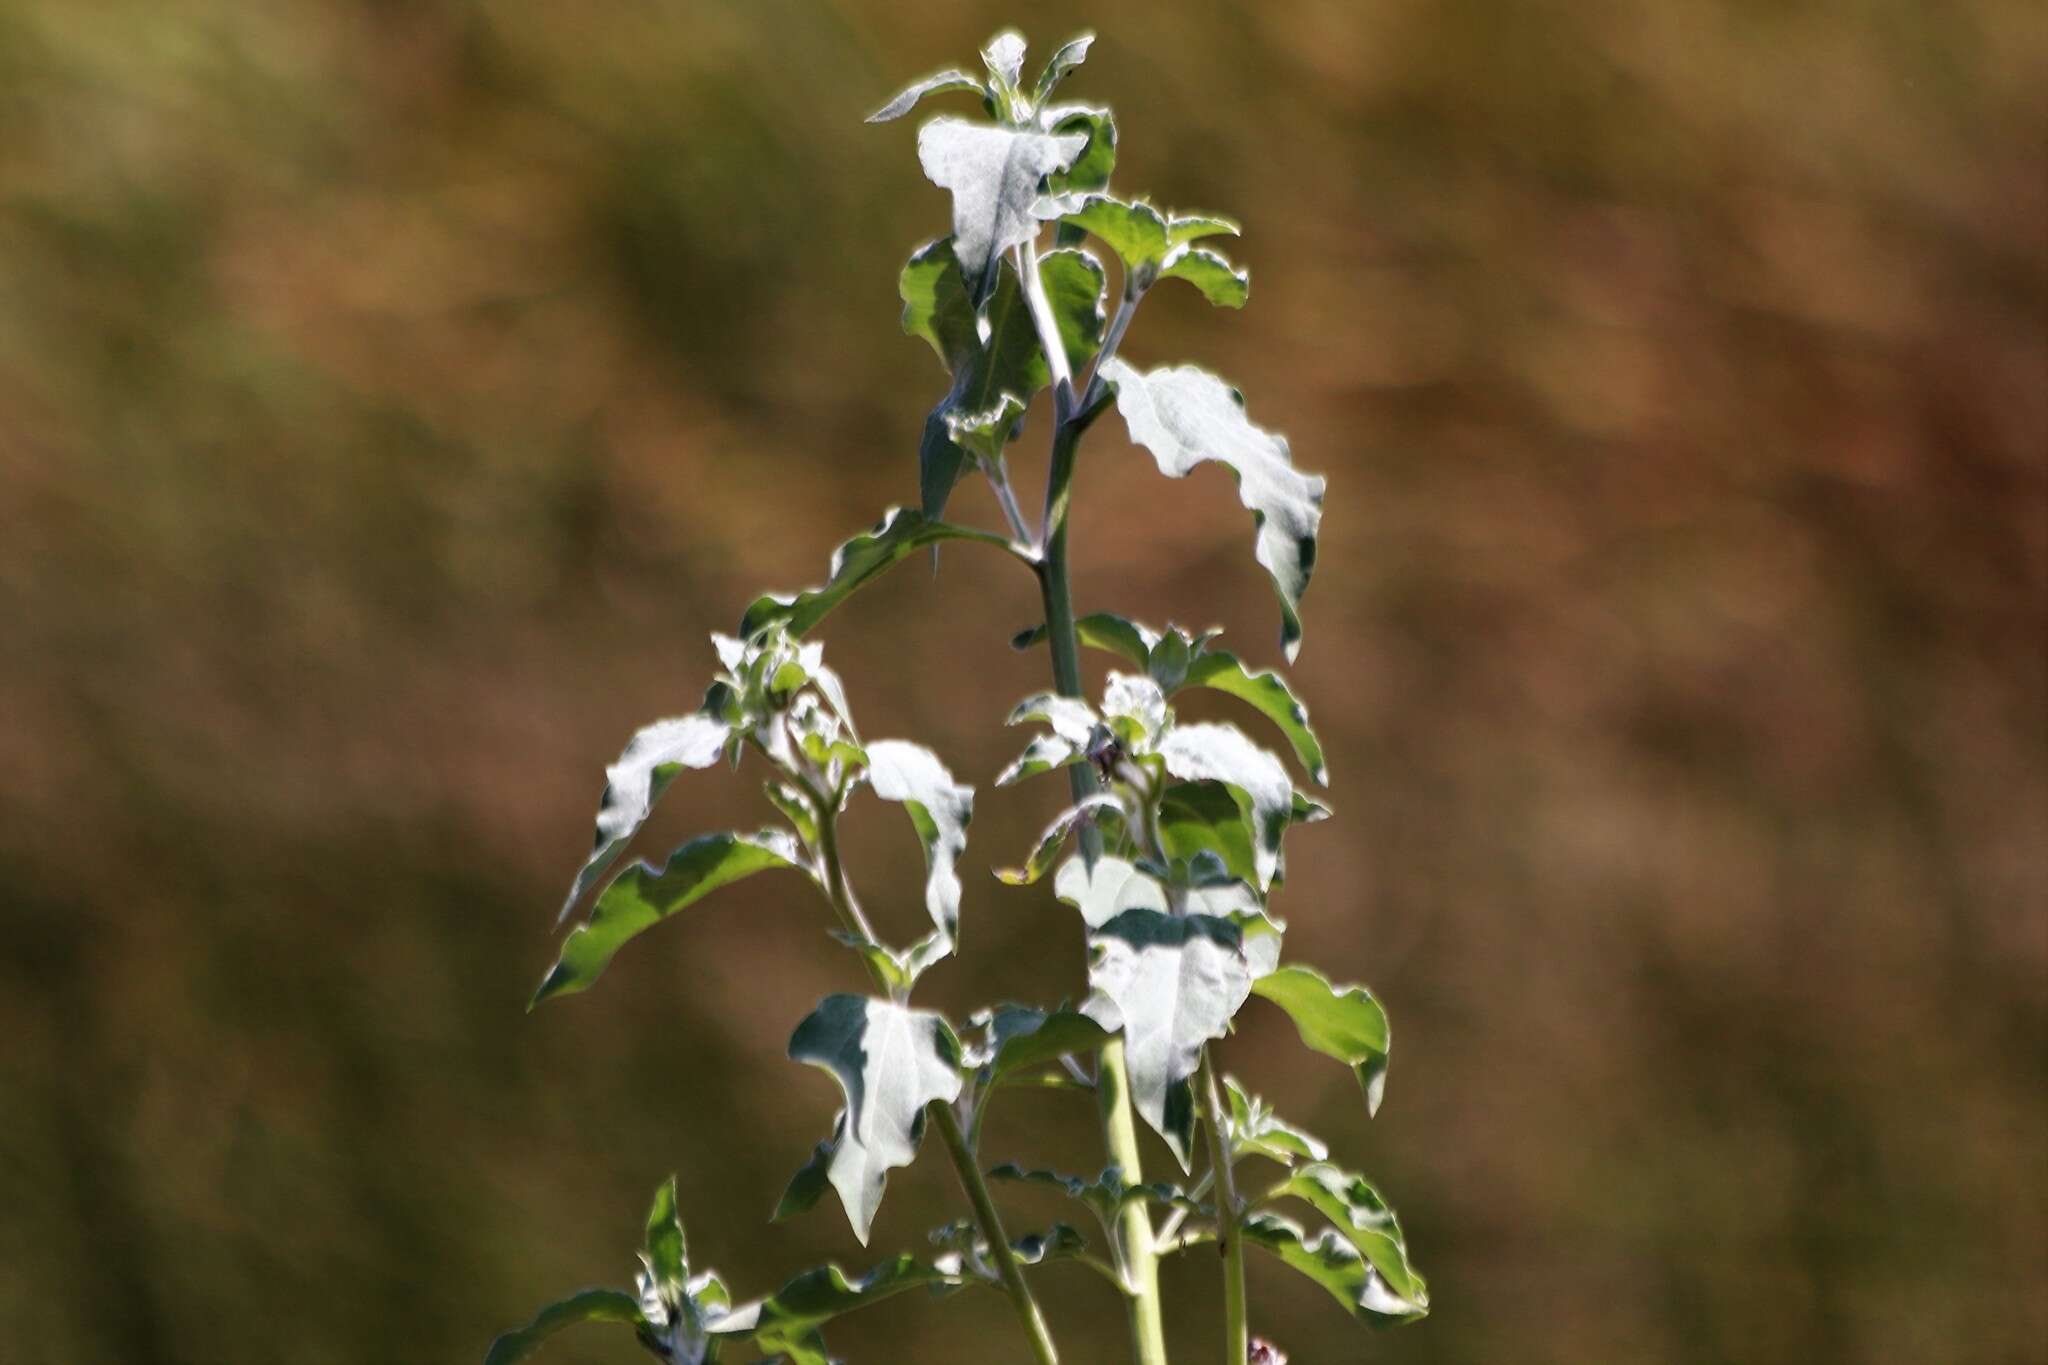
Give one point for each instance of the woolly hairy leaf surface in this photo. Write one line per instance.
(643, 896)
(633, 784)
(939, 808)
(891, 1061)
(908, 98)
(1186, 416)
(993, 174)
(1221, 753)
(1170, 983)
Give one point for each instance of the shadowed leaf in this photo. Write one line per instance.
(643, 896)
(1344, 1022)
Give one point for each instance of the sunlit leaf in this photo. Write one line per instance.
(1363, 1218)
(994, 175)
(787, 1319)
(1004, 57)
(1344, 1022)
(1221, 753)
(1268, 693)
(1332, 1262)
(891, 1061)
(907, 98)
(1255, 1130)
(1089, 174)
(665, 1250)
(643, 896)
(1169, 983)
(984, 433)
(1222, 283)
(1186, 416)
(1184, 228)
(633, 784)
(591, 1305)
(1071, 54)
(939, 808)
(1134, 230)
(1055, 838)
(900, 532)
(1023, 1039)
(1106, 1193)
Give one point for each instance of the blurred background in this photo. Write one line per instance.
(393, 396)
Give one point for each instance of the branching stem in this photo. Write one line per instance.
(991, 1224)
(1113, 1083)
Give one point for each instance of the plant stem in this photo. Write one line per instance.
(1229, 1219)
(1113, 1082)
(940, 1111)
(991, 1223)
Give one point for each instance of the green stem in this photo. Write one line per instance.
(941, 1113)
(991, 1223)
(1229, 1218)
(1113, 1082)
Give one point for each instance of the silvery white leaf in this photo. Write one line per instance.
(634, 783)
(993, 174)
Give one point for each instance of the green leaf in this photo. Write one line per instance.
(1221, 753)
(1055, 838)
(1069, 189)
(1255, 1130)
(813, 1178)
(1344, 1022)
(1267, 693)
(1184, 228)
(1222, 283)
(1073, 725)
(1106, 1193)
(899, 968)
(994, 175)
(1071, 54)
(1169, 983)
(907, 98)
(1363, 1218)
(1332, 1262)
(1074, 290)
(1024, 1039)
(666, 1252)
(937, 306)
(1100, 630)
(591, 1305)
(891, 1061)
(939, 808)
(1186, 416)
(900, 533)
(984, 434)
(1134, 230)
(633, 784)
(789, 1318)
(1204, 817)
(643, 896)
